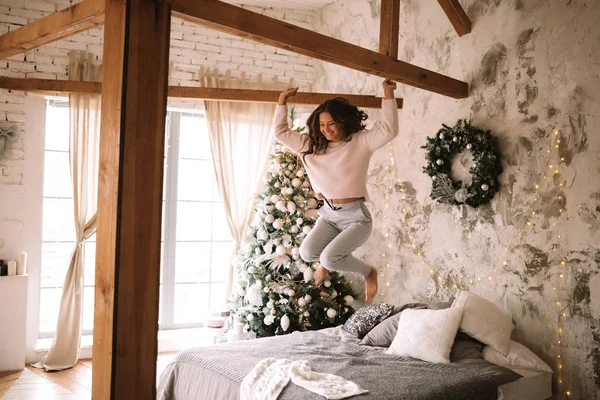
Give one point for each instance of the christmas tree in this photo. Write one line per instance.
(275, 292)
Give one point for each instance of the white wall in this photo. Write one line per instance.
(21, 171)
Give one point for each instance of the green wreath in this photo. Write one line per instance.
(484, 172)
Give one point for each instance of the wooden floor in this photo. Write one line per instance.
(71, 384)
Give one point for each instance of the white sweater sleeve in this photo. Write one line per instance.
(386, 129)
(289, 138)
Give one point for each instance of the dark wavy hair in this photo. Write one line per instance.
(348, 117)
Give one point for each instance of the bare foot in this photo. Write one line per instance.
(320, 274)
(371, 285)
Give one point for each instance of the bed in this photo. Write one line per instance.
(214, 372)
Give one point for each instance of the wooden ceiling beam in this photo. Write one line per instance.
(389, 26)
(457, 16)
(244, 23)
(271, 96)
(50, 86)
(61, 24)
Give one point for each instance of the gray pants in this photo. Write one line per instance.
(336, 235)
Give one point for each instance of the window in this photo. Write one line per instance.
(196, 242)
(58, 228)
(197, 245)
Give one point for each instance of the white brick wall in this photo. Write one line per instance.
(192, 46)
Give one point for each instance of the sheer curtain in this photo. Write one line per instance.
(84, 135)
(241, 136)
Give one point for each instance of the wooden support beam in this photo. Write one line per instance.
(50, 86)
(457, 16)
(134, 99)
(271, 96)
(72, 20)
(389, 26)
(240, 22)
(261, 96)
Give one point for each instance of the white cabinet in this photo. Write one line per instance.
(13, 317)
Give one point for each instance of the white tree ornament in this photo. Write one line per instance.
(348, 300)
(308, 275)
(285, 322)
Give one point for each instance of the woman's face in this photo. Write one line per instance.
(329, 128)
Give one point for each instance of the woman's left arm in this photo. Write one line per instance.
(386, 129)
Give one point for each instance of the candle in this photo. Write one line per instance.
(22, 264)
(12, 268)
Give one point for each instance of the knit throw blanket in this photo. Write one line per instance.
(270, 376)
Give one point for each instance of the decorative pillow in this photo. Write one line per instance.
(426, 334)
(484, 321)
(465, 350)
(384, 333)
(442, 305)
(518, 356)
(366, 318)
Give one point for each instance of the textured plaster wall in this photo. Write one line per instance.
(531, 66)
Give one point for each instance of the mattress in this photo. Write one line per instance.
(534, 385)
(209, 373)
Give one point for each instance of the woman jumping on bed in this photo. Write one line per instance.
(336, 153)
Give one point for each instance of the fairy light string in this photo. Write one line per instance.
(550, 176)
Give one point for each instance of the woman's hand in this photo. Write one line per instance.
(286, 94)
(388, 88)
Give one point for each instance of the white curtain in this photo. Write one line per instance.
(84, 135)
(241, 136)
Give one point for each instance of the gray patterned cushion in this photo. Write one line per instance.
(366, 318)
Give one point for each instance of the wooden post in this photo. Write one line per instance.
(134, 92)
(389, 25)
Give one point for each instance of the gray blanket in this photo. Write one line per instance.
(384, 376)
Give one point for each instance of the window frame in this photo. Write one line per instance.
(169, 242)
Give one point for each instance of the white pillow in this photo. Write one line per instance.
(426, 334)
(518, 356)
(484, 321)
